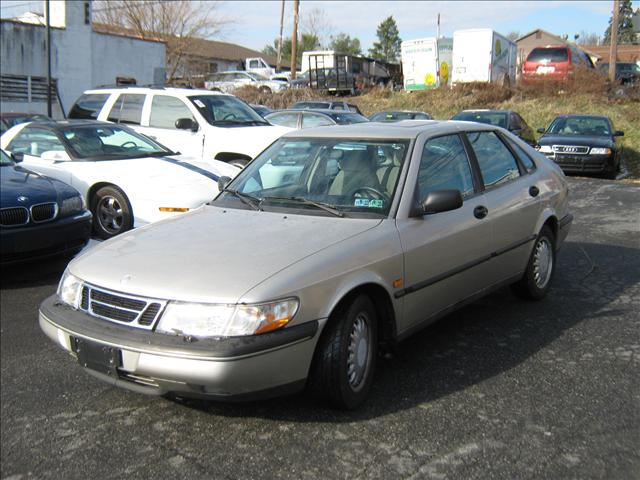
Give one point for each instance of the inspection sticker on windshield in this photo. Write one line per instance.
(199, 103)
(365, 202)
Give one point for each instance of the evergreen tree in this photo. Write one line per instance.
(343, 43)
(625, 25)
(388, 46)
(306, 43)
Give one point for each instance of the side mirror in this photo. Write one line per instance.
(618, 133)
(437, 202)
(541, 130)
(17, 156)
(186, 124)
(55, 156)
(223, 182)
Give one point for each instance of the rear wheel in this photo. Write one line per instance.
(345, 358)
(536, 280)
(112, 213)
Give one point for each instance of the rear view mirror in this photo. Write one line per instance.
(223, 182)
(186, 124)
(55, 156)
(618, 133)
(437, 202)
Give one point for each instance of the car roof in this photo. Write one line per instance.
(404, 129)
(60, 124)
(485, 110)
(326, 111)
(582, 115)
(169, 90)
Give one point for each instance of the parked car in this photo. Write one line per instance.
(125, 178)
(261, 109)
(197, 123)
(554, 62)
(307, 118)
(327, 105)
(39, 216)
(396, 116)
(9, 119)
(229, 81)
(507, 119)
(359, 236)
(626, 73)
(583, 144)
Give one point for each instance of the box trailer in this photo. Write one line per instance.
(483, 55)
(426, 62)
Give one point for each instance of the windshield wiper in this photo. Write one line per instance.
(327, 207)
(253, 202)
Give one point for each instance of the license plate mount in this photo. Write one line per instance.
(95, 356)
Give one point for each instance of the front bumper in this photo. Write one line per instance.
(584, 163)
(231, 369)
(31, 242)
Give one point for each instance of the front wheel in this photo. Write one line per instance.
(536, 280)
(345, 358)
(112, 213)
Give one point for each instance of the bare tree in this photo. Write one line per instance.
(316, 22)
(587, 38)
(513, 35)
(179, 23)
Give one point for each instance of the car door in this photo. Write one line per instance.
(164, 111)
(445, 254)
(31, 143)
(512, 203)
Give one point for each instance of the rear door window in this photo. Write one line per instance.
(88, 106)
(127, 109)
(497, 164)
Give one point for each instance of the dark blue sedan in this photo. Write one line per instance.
(39, 216)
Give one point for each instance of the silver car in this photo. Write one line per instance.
(329, 247)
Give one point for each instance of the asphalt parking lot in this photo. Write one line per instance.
(501, 389)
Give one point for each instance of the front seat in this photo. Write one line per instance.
(356, 171)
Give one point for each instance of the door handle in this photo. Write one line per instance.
(480, 211)
(534, 191)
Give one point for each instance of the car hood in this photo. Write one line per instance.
(211, 254)
(248, 140)
(579, 140)
(20, 182)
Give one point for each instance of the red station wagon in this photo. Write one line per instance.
(554, 62)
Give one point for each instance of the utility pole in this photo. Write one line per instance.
(294, 40)
(613, 51)
(48, 48)
(279, 64)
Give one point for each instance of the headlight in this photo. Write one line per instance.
(69, 289)
(212, 320)
(545, 149)
(600, 151)
(71, 206)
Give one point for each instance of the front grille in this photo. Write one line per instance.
(571, 149)
(120, 308)
(14, 216)
(44, 212)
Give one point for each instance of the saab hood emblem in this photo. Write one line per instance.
(22, 198)
(125, 279)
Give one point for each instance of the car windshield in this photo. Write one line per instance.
(548, 55)
(311, 105)
(225, 110)
(628, 67)
(101, 142)
(327, 176)
(345, 118)
(4, 159)
(499, 119)
(596, 126)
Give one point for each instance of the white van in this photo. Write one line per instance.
(426, 62)
(483, 55)
(198, 123)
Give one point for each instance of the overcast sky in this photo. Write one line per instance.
(256, 24)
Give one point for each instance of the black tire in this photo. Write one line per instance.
(536, 280)
(112, 213)
(345, 358)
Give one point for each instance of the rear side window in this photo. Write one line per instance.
(35, 141)
(523, 156)
(88, 106)
(496, 162)
(444, 165)
(127, 109)
(559, 54)
(314, 120)
(166, 110)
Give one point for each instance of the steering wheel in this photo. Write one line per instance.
(377, 194)
(229, 116)
(129, 144)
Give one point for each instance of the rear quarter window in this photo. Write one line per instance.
(88, 106)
